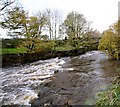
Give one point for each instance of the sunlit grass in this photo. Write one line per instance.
(23, 50)
(12, 50)
(64, 48)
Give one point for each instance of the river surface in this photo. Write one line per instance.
(58, 81)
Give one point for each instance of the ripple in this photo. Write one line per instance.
(17, 82)
(80, 77)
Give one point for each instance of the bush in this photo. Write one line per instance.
(11, 43)
(111, 42)
(36, 45)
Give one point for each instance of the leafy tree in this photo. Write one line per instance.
(36, 43)
(34, 30)
(19, 24)
(92, 34)
(75, 24)
(15, 20)
(111, 41)
(34, 26)
(115, 27)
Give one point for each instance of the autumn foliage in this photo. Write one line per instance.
(110, 41)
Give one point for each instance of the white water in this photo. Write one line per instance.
(17, 82)
(92, 69)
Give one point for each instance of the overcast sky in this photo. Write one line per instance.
(102, 13)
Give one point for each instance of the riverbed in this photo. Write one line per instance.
(58, 81)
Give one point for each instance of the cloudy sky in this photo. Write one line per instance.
(102, 13)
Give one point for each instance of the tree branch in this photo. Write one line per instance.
(6, 4)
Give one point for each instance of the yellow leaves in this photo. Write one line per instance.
(110, 41)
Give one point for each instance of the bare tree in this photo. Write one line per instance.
(53, 22)
(56, 17)
(48, 14)
(5, 3)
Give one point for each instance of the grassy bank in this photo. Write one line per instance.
(12, 50)
(111, 96)
(23, 50)
(34, 50)
(63, 48)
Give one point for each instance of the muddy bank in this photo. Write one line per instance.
(18, 59)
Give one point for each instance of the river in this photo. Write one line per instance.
(58, 81)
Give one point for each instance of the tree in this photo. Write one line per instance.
(53, 23)
(18, 23)
(15, 20)
(92, 34)
(5, 3)
(32, 27)
(42, 21)
(111, 41)
(75, 24)
(35, 25)
(49, 26)
(33, 34)
(62, 31)
(56, 24)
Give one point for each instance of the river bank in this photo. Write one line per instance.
(25, 58)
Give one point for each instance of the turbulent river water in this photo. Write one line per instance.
(58, 81)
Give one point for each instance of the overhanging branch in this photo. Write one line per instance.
(6, 4)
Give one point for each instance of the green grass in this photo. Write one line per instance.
(64, 48)
(22, 50)
(111, 96)
(12, 50)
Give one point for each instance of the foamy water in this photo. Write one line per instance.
(17, 82)
(87, 74)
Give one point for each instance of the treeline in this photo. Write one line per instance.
(46, 30)
(16, 42)
(46, 25)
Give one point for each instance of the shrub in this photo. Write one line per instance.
(11, 43)
(111, 42)
(36, 45)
